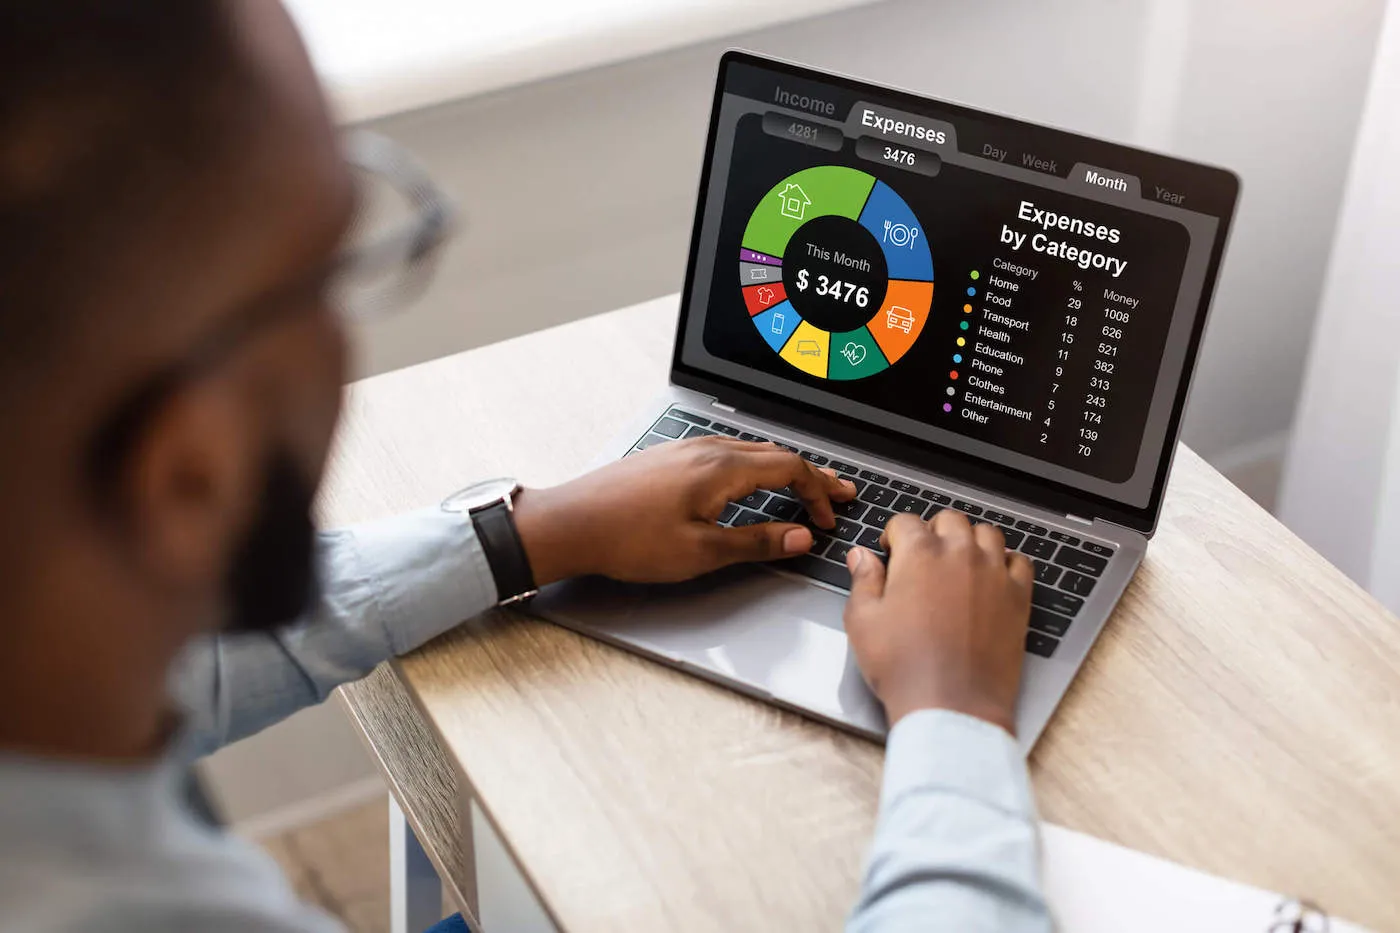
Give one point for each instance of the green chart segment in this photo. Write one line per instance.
(826, 189)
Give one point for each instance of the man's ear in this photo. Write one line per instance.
(188, 489)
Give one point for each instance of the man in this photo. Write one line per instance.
(173, 202)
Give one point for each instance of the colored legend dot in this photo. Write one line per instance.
(951, 390)
(976, 275)
(971, 291)
(967, 309)
(953, 374)
(947, 407)
(962, 341)
(957, 357)
(963, 325)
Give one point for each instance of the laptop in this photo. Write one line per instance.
(952, 309)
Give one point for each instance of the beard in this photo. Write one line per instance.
(273, 577)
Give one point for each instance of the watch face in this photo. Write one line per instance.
(480, 494)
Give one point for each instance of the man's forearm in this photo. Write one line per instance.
(956, 847)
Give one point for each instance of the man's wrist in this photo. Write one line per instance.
(550, 535)
(900, 704)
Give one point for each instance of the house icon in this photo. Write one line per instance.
(794, 201)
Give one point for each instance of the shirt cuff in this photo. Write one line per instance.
(428, 572)
(936, 749)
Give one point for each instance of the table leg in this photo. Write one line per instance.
(415, 892)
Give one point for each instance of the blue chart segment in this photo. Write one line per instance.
(777, 324)
(899, 234)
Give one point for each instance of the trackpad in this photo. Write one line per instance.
(773, 634)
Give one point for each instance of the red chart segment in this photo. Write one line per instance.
(759, 298)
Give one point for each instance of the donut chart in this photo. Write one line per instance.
(836, 273)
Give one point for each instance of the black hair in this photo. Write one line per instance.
(104, 106)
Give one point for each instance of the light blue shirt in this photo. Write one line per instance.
(86, 847)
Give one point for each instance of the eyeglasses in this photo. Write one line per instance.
(401, 223)
(402, 220)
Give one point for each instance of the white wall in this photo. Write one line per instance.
(1342, 487)
(578, 193)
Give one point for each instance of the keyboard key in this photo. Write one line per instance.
(1063, 538)
(747, 517)
(651, 440)
(1033, 528)
(1048, 622)
(1039, 643)
(845, 530)
(1056, 600)
(938, 497)
(1093, 547)
(784, 510)
(902, 486)
(755, 499)
(873, 476)
(670, 427)
(1077, 583)
(788, 447)
(877, 518)
(1001, 518)
(820, 542)
(838, 551)
(1039, 547)
(818, 569)
(846, 468)
(698, 432)
(1078, 561)
(813, 457)
(870, 539)
(860, 484)
(756, 438)
(1013, 538)
(967, 507)
(728, 513)
(725, 429)
(1047, 573)
(879, 495)
(910, 505)
(932, 511)
(687, 416)
(852, 510)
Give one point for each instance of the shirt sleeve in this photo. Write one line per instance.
(956, 847)
(388, 587)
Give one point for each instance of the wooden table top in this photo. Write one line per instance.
(1240, 713)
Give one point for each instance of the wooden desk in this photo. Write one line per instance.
(1240, 714)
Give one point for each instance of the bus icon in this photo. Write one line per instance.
(808, 348)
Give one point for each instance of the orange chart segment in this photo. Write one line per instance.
(902, 317)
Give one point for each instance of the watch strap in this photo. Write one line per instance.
(505, 553)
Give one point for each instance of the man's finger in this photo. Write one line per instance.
(901, 531)
(951, 526)
(1022, 573)
(867, 576)
(990, 539)
(774, 468)
(769, 541)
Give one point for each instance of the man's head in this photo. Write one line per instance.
(172, 198)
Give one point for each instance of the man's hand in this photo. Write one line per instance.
(944, 627)
(652, 516)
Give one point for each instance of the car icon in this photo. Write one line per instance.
(900, 318)
(808, 348)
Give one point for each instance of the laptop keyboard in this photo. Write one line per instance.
(1067, 567)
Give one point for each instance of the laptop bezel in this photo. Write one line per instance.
(924, 455)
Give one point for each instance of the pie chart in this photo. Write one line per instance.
(836, 273)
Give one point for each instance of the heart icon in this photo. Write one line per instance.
(854, 353)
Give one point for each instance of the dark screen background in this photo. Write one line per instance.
(1096, 404)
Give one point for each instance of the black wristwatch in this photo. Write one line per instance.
(491, 510)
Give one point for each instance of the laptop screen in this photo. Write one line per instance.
(1017, 298)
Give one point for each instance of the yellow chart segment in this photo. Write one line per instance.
(807, 349)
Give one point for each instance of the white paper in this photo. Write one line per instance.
(1098, 887)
